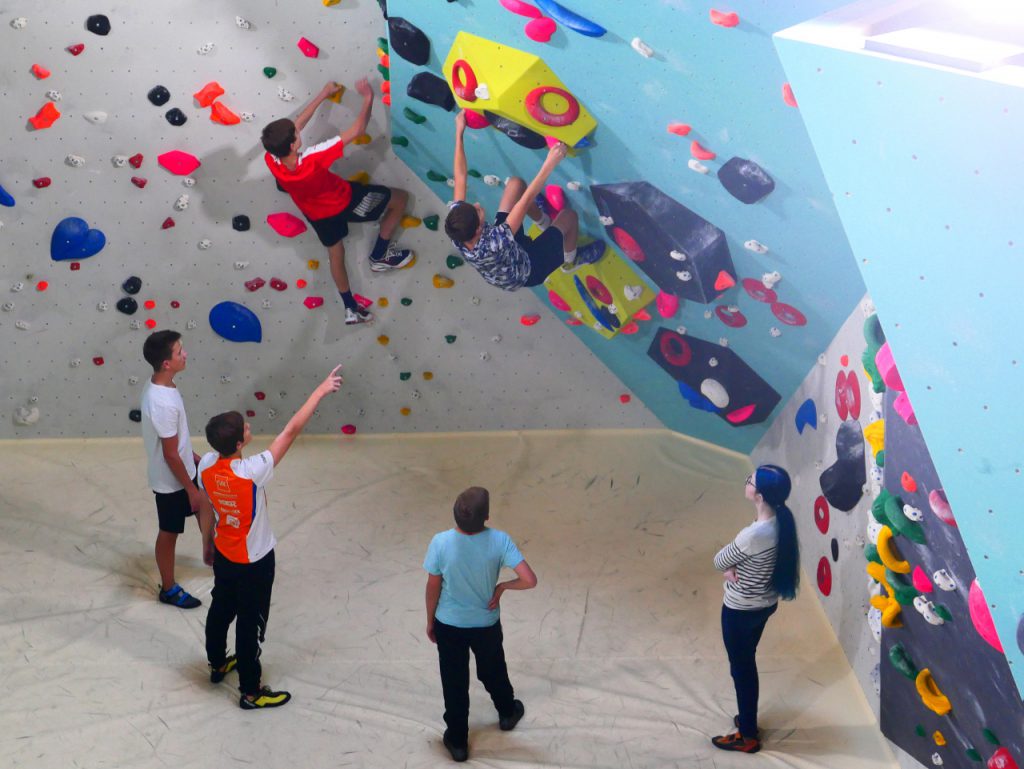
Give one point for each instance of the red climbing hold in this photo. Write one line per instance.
(300, 283)
(175, 304)
(286, 224)
(756, 290)
(626, 242)
(1001, 759)
(277, 284)
(824, 576)
(701, 153)
(250, 413)
(40, 71)
(598, 290)
(348, 429)
(724, 19)
(844, 360)
(940, 506)
(629, 328)
(150, 323)
(362, 301)
(791, 316)
(168, 223)
(625, 398)
(308, 48)
(208, 94)
(573, 322)
(138, 181)
(731, 318)
(523, 9)
(76, 266)
(42, 181)
(149, 304)
(259, 395)
(135, 161)
(177, 162)
(530, 320)
(908, 483)
(464, 80)
(386, 99)
(312, 302)
(476, 120)
(221, 114)
(847, 396)
(98, 360)
(540, 30)
(558, 302)
(724, 281)
(787, 95)
(46, 117)
(821, 514)
(42, 285)
(76, 49)
(255, 284)
(679, 129)
(642, 315)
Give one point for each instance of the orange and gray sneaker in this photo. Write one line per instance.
(264, 698)
(217, 674)
(737, 742)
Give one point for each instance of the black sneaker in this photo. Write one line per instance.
(264, 698)
(394, 258)
(178, 596)
(217, 674)
(508, 723)
(459, 754)
(357, 316)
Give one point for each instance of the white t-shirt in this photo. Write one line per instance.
(163, 416)
(237, 491)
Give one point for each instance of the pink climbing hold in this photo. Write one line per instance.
(701, 153)
(625, 398)
(982, 617)
(558, 302)
(476, 120)
(787, 95)
(724, 19)
(530, 320)
(286, 224)
(555, 196)
(312, 302)
(887, 368)
(1001, 759)
(348, 429)
(573, 322)
(523, 9)
(540, 30)
(901, 405)
(629, 328)
(741, 414)
(362, 301)
(940, 506)
(177, 162)
(679, 129)
(308, 48)
(667, 304)
(921, 581)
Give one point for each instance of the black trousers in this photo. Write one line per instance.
(242, 591)
(741, 632)
(453, 647)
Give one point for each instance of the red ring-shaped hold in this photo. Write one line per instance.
(824, 576)
(821, 514)
(675, 350)
(598, 290)
(464, 89)
(788, 314)
(842, 404)
(732, 319)
(541, 115)
(756, 290)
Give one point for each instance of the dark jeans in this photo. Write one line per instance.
(242, 591)
(453, 646)
(741, 631)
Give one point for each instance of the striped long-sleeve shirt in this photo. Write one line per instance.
(752, 554)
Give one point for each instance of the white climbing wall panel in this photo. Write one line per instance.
(497, 374)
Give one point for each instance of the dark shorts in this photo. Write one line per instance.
(545, 252)
(172, 510)
(367, 205)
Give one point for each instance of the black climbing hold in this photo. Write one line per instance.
(835, 549)
(843, 482)
(159, 95)
(240, 222)
(429, 88)
(127, 305)
(132, 285)
(383, 7)
(98, 24)
(520, 134)
(135, 415)
(175, 116)
(408, 41)
(745, 180)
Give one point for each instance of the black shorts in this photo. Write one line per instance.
(172, 509)
(367, 205)
(545, 252)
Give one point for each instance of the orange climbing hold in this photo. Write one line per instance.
(787, 95)
(724, 19)
(40, 71)
(386, 99)
(382, 302)
(908, 483)
(362, 139)
(701, 153)
(383, 339)
(428, 375)
(223, 115)
(46, 116)
(530, 320)
(410, 221)
(440, 281)
(724, 281)
(679, 129)
(405, 411)
(208, 94)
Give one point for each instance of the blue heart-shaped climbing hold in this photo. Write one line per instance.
(696, 399)
(6, 199)
(72, 239)
(806, 416)
(236, 322)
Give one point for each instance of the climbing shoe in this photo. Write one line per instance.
(264, 698)
(459, 753)
(357, 316)
(217, 674)
(395, 258)
(589, 253)
(178, 596)
(736, 723)
(736, 742)
(508, 723)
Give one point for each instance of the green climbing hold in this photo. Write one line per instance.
(269, 71)
(900, 524)
(404, 376)
(990, 736)
(901, 661)
(414, 116)
(973, 755)
(902, 592)
(384, 72)
(431, 222)
(919, 730)
(880, 458)
(871, 553)
(867, 360)
(454, 261)
(434, 176)
(406, 301)
(878, 508)
(475, 174)
(873, 333)
(943, 612)
(449, 338)
(382, 43)
(399, 141)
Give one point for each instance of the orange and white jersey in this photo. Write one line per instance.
(236, 489)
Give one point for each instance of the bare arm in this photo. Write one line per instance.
(358, 128)
(433, 596)
(170, 450)
(206, 527)
(280, 445)
(461, 168)
(518, 212)
(525, 580)
(307, 112)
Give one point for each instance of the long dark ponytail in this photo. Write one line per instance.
(773, 484)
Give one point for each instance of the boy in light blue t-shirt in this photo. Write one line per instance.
(463, 593)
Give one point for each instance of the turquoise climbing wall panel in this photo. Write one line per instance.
(726, 83)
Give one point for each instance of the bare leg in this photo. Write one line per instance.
(569, 223)
(392, 215)
(513, 192)
(338, 271)
(165, 543)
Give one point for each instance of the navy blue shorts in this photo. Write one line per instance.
(367, 205)
(546, 251)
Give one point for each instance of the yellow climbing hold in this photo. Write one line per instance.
(939, 737)
(428, 375)
(336, 96)
(313, 264)
(360, 178)
(406, 411)
(383, 339)
(411, 221)
(363, 139)
(440, 281)
(931, 694)
(874, 434)
(888, 553)
(329, 3)
(887, 604)
(382, 302)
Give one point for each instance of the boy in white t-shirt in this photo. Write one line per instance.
(171, 461)
(240, 546)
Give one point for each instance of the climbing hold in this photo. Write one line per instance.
(788, 314)
(255, 284)
(408, 222)
(6, 199)
(176, 117)
(921, 581)
(383, 339)
(150, 323)
(408, 41)
(308, 48)
(42, 285)
(520, 134)
(530, 320)
(300, 283)
(399, 141)
(701, 153)
(175, 304)
(159, 96)
(277, 284)
(285, 224)
(696, 165)
(724, 19)
(441, 281)
(40, 183)
(414, 116)
(135, 161)
(72, 239)
(149, 304)
(449, 338)
(541, 29)
(240, 223)
(405, 375)
(312, 302)
(95, 117)
(806, 416)
(40, 71)
(19, 22)
(908, 483)
(874, 434)
(787, 95)
(453, 261)
(931, 694)
(177, 162)
(667, 304)
(167, 224)
(981, 617)
(313, 264)
(428, 375)
(569, 19)
(745, 180)
(901, 661)
(362, 139)
(887, 367)
(679, 129)
(45, 117)
(940, 506)
(235, 322)
(724, 281)
(431, 222)
(269, 72)
(431, 89)
(641, 47)
(75, 49)
(204, 97)
(476, 120)
(521, 8)
(221, 114)
(938, 737)
(405, 411)
(181, 203)
(360, 178)
(139, 182)
(889, 555)
(98, 24)
(406, 301)
(731, 316)
(434, 176)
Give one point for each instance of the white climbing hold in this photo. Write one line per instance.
(613, 309)
(7, 306)
(708, 314)
(102, 306)
(205, 244)
(19, 23)
(188, 181)
(242, 23)
(696, 165)
(205, 49)
(475, 300)
(944, 580)
(876, 474)
(607, 221)
(822, 418)
(96, 117)
(191, 325)
(22, 325)
(241, 265)
(715, 392)
(679, 256)
(769, 279)
(181, 203)
(936, 759)
(756, 246)
(873, 529)
(482, 92)
(578, 315)
(17, 286)
(136, 325)
(632, 293)
(491, 180)
(54, 95)
(684, 275)
(248, 117)
(496, 338)
(913, 513)
(284, 94)
(927, 610)
(392, 356)
(641, 47)
(681, 330)
(485, 356)
(875, 623)
(574, 186)
(119, 161)
(712, 362)
(133, 380)
(75, 161)
(76, 362)
(266, 304)
(225, 379)
(26, 416)
(775, 331)
(450, 182)
(822, 360)
(868, 307)
(597, 326)
(723, 341)
(271, 413)
(732, 308)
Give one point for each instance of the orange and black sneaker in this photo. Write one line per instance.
(217, 674)
(737, 742)
(264, 698)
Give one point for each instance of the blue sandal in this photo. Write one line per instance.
(178, 596)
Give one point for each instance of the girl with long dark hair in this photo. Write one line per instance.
(760, 566)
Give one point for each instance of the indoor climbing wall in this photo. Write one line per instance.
(135, 196)
(727, 271)
(918, 141)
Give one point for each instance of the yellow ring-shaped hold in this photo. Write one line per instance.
(887, 552)
(931, 694)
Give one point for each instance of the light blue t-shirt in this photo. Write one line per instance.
(469, 565)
